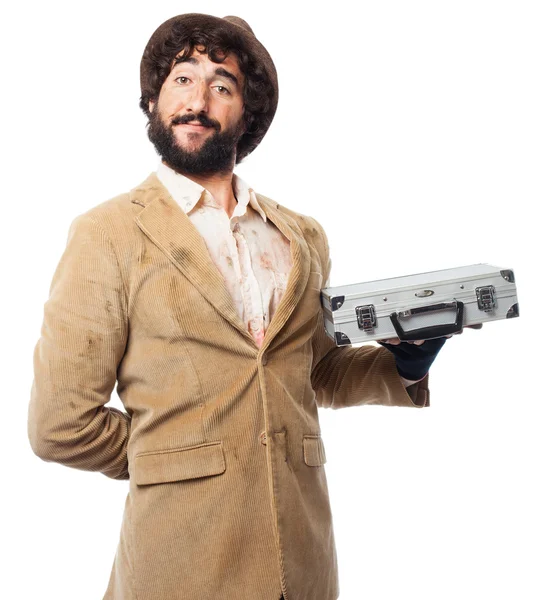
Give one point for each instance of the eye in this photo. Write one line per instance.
(221, 87)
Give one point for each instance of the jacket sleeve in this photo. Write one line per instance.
(350, 376)
(83, 338)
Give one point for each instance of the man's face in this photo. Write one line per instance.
(198, 119)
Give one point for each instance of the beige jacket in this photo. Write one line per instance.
(220, 440)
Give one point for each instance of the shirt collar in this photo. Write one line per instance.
(187, 193)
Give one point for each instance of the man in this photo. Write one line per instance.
(200, 297)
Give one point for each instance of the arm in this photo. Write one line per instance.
(83, 338)
(351, 376)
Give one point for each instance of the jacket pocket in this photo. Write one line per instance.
(314, 454)
(161, 466)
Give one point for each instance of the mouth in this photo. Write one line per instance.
(193, 126)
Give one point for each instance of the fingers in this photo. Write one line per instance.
(397, 341)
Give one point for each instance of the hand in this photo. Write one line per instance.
(396, 341)
(414, 358)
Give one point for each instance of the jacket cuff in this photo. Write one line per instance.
(419, 392)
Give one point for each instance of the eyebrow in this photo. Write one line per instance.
(219, 71)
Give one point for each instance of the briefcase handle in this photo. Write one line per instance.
(433, 331)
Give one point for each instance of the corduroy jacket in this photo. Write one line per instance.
(220, 440)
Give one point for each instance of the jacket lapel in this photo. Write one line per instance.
(171, 230)
(300, 271)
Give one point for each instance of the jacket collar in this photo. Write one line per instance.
(168, 226)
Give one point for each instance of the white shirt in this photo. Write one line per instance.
(252, 255)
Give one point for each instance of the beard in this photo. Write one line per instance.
(215, 155)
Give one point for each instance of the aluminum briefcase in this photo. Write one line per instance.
(421, 306)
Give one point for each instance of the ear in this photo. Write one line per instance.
(151, 105)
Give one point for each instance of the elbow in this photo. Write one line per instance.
(41, 443)
(50, 439)
(324, 398)
(50, 432)
(38, 427)
(40, 448)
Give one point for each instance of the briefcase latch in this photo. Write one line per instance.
(486, 298)
(367, 318)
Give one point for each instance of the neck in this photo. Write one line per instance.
(219, 186)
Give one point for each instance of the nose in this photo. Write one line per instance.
(198, 99)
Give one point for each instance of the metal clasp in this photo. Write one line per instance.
(486, 298)
(367, 318)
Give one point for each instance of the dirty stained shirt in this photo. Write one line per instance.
(252, 255)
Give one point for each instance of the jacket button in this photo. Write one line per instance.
(263, 438)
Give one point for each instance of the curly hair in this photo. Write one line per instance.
(217, 43)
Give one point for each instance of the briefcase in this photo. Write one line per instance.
(421, 306)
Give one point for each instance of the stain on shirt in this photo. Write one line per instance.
(252, 255)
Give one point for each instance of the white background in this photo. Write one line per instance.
(408, 129)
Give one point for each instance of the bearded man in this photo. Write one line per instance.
(200, 298)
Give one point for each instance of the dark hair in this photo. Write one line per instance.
(217, 43)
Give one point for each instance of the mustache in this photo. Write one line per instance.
(200, 118)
